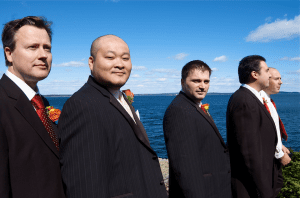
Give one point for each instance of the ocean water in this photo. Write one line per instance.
(152, 109)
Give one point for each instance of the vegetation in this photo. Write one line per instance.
(291, 175)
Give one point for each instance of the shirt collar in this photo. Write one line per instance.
(27, 90)
(116, 93)
(254, 92)
(263, 94)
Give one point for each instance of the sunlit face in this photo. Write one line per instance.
(263, 76)
(275, 82)
(31, 59)
(112, 65)
(196, 85)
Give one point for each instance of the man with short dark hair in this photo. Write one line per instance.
(198, 156)
(251, 133)
(281, 153)
(105, 151)
(29, 158)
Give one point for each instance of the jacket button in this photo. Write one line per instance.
(162, 182)
(154, 157)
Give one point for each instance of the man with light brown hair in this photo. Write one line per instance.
(281, 153)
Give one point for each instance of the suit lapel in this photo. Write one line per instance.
(25, 108)
(261, 106)
(137, 129)
(207, 117)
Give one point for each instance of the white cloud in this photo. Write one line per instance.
(180, 56)
(291, 59)
(221, 59)
(139, 68)
(214, 69)
(1, 47)
(161, 79)
(70, 64)
(268, 19)
(279, 29)
(134, 76)
(172, 71)
(295, 59)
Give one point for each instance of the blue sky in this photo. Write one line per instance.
(163, 36)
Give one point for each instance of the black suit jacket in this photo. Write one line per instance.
(198, 156)
(29, 161)
(252, 139)
(103, 152)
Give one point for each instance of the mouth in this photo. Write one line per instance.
(119, 73)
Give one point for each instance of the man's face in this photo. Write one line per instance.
(275, 82)
(196, 85)
(263, 76)
(112, 65)
(31, 59)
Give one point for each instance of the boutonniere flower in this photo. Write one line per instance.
(53, 113)
(265, 101)
(129, 95)
(206, 107)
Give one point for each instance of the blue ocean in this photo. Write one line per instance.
(152, 109)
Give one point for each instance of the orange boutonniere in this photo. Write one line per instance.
(53, 113)
(129, 95)
(206, 107)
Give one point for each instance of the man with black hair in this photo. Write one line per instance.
(29, 158)
(198, 156)
(251, 133)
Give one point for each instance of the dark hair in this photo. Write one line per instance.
(11, 28)
(192, 65)
(247, 65)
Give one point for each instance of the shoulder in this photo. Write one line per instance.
(180, 106)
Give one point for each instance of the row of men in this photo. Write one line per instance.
(102, 149)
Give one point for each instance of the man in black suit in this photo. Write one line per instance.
(198, 156)
(251, 133)
(105, 151)
(29, 160)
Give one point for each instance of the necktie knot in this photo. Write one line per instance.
(37, 102)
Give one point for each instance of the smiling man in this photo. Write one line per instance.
(29, 158)
(198, 156)
(105, 151)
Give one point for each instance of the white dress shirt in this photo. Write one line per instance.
(279, 153)
(120, 98)
(27, 90)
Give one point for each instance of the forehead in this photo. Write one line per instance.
(197, 73)
(29, 33)
(274, 72)
(112, 43)
(263, 65)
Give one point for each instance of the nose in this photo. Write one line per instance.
(201, 85)
(280, 82)
(42, 53)
(119, 63)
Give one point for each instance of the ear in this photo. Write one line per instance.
(91, 63)
(254, 75)
(8, 54)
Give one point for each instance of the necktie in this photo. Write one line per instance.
(282, 129)
(39, 106)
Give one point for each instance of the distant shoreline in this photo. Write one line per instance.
(165, 94)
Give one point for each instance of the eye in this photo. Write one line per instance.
(109, 57)
(33, 46)
(126, 59)
(47, 48)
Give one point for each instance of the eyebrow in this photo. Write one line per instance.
(126, 53)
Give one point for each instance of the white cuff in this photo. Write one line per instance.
(279, 155)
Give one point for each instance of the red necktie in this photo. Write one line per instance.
(39, 106)
(282, 129)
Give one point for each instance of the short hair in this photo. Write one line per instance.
(10, 29)
(247, 65)
(94, 47)
(191, 66)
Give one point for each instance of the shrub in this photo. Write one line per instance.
(291, 175)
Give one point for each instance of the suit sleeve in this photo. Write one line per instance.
(84, 159)
(245, 121)
(183, 148)
(5, 190)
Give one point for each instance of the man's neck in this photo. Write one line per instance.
(255, 86)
